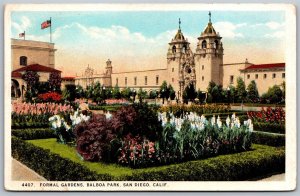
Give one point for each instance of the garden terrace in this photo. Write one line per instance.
(261, 160)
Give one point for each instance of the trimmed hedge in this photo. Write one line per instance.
(105, 107)
(262, 160)
(269, 127)
(270, 139)
(30, 134)
(240, 166)
(22, 125)
(51, 166)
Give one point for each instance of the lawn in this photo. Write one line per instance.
(260, 160)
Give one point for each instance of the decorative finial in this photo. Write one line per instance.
(179, 24)
(209, 14)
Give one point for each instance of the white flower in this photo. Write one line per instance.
(52, 118)
(108, 115)
(237, 122)
(227, 121)
(203, 119)
(67, 127)
(233, 116)
(251, 127)
(58, 123)
(77, 120)
(219, 122)
(213, 120)
(54, 125)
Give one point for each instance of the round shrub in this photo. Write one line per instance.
(138, 120)
(94, 138)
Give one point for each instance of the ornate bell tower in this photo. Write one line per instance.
(180, 63)
(209, 57)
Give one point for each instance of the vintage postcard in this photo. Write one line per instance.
(150, 97)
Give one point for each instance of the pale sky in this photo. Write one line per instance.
(135, 40)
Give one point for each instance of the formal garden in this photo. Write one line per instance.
(102, 133)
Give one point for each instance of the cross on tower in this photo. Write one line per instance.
(179, 23)
(209, 14)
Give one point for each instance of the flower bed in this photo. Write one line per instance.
(27, 115)
(50, 97)
(179, 109)
(40, 108)
(50, 159)
(269, 115)
(137, 136)
(269, 120)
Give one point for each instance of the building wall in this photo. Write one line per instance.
(230, 70)
(173, 72)
(87, 81)
(152, 83)
(42, 53)
(66, 82)
(263, 84)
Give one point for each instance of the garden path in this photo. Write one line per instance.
(22, 173)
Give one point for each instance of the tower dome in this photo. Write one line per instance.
(179, 35)
(209, 28)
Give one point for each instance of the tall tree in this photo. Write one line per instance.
(32, 79)
(126, 93)
(163, 91)
(55, 81)
(142, 95)
(189, 93)
(172, 92)
(241, 90)
(116, 92)
(252, 92)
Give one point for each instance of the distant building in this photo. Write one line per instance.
(185, 67)
(30, 56)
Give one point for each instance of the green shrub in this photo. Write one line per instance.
(54, 164)
(269, 127)
(30, 134)
(240, 166)
(269, 139)
(51, 166)
(105, 107)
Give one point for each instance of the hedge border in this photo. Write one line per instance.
(31, 134)
(270, 139)
(269, 127)
(239, 166)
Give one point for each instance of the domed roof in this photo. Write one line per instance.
(209, 29)
(179, 35)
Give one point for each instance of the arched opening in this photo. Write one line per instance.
(216, 44)
(174, 49)
(184, 48)
(204, 44)
(23, 60)
(15, 89)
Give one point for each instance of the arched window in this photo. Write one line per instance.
(204, 44)
(216, 44)
(23, 60)
(184, 49)
(174, 49)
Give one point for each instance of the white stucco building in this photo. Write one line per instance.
(184, 66)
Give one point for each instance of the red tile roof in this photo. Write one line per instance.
(16, 75)
(68, 78)
(38, 68)
(266, 66)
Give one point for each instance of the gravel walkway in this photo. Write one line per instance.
(22, 173)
